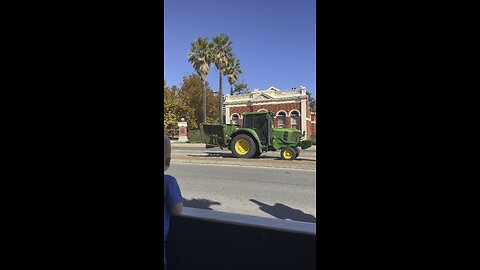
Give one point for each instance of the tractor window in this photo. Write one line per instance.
(248, 121)
(281, 119)
(260, 121)
(260, 124)
(295, 120)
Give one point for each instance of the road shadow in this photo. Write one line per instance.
(216, 154)
(199, 203)
(213, 154)
(284, 212)
(297, 159)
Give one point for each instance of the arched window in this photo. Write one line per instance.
(235, 119)
(281, 119)
(295, 119)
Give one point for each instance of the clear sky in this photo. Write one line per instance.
(273, 39)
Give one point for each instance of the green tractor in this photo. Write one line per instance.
(257, 135)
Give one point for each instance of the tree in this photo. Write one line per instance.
(312, 103)
(310, 98)
(201, 56)
(232, 71)
(190, 108)
(241, 88)
(174, 107)
(313, 106)
(170, 106)
(223, 52)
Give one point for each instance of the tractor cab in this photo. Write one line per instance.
(261, 123)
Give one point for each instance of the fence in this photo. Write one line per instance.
(171, 133)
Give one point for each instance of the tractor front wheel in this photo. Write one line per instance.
(288, 153)
(243, 146)
(297, 150)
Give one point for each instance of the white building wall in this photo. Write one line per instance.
(304, 115)
(227, 114)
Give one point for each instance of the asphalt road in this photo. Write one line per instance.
(269, 192)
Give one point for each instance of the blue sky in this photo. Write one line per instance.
(273, 39)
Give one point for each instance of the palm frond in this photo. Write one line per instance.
(223, 51)
(201, 56)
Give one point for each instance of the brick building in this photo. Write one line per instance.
(290, 107)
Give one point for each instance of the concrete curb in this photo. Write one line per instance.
(199, 145)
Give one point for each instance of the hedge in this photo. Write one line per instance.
(194, 136)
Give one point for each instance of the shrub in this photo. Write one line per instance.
(194, 136)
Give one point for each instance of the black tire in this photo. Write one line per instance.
(243, 139)
(297, 150)
(288, 153)
(257, 154)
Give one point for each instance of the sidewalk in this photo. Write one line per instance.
(179, 144)
(286, 164)
(201, 145)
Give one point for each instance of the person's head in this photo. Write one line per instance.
(167, 152)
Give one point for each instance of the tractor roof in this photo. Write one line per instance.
(252, 113)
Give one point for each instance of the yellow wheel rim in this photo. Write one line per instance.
(242, 147)
(287, 154)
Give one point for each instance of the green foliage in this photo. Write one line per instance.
(222, 51)
(232, 71)
(171, 105)
(201, 55)
(194, 136)
(188, 101)
(313, 106)
(190, 92)
(310, 98)
(240, 88)
(185, 102)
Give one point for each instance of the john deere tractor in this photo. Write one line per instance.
(256, 136)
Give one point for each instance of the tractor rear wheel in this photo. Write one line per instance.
(288, 153)
(243, 146)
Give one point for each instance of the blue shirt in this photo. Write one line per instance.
(172, 195)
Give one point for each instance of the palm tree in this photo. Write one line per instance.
(201, 56)
(241, 88)
(223, 52)
(232, 71)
